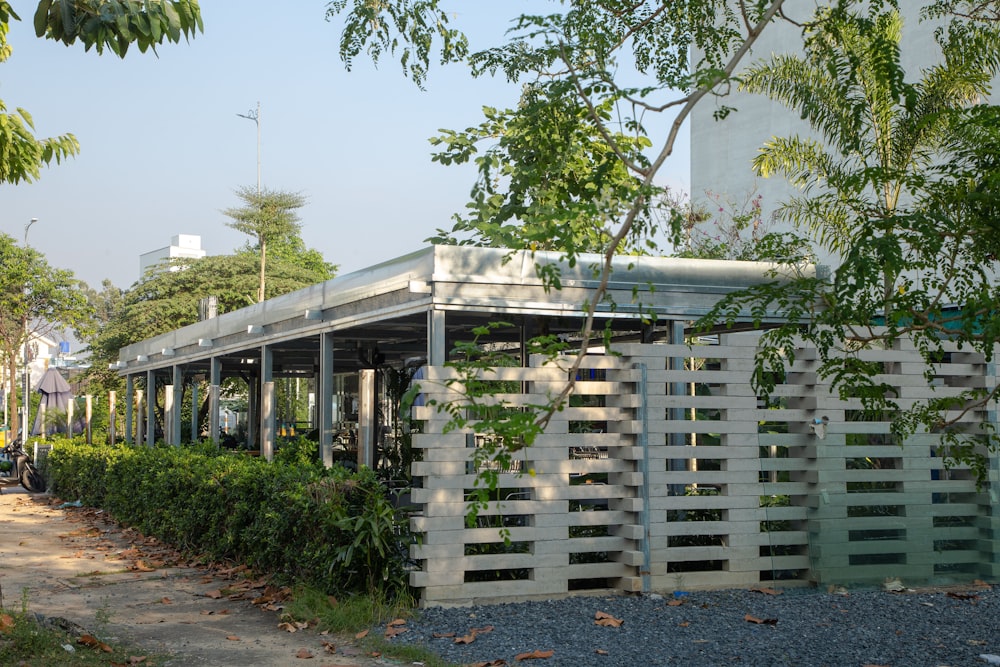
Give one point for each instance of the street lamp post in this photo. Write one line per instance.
(254, 115)
(26, 408)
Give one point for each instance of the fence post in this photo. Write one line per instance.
(112, 416)
(88, 415)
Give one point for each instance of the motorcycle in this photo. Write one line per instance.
(23, 470)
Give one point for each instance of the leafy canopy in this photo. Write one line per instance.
(116, 24)
(167, 299)
(572, 166)
(98, 24)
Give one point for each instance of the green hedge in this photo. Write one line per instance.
(327, 528)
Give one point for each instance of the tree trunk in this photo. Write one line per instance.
(263, 259)
(15, 417)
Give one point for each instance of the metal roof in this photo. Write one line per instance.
(386, 305)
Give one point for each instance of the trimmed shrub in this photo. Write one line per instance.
(330, 529)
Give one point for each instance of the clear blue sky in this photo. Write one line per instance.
(162, 147)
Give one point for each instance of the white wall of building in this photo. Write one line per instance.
(186, 246)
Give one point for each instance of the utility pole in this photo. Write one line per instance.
(26, 408)
(254, 115)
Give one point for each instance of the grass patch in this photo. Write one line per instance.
(351, 614)
(406, 653)
(25, 640)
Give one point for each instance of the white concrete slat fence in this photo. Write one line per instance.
(667, 472)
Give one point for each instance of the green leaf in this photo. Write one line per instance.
(41, 17)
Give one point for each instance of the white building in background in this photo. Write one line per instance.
(186, 246)
(722, 150)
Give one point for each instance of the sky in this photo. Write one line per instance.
(163, 147)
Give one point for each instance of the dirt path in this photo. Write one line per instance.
(74, 564)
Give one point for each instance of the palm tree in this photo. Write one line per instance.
(878, 134)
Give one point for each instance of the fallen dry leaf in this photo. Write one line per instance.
(232, 638)
(305, 654)
(684, 624)
(534, 655)
(607, 620)
(90, 641)
(601, 651)
(166, 601)
(471, 637)
(443, 635)
(766, 591)
(675, 603)
(215, 595)
(361, 635)
(329, 647)
(760, 621)
(394, 630)
(963, 596)
(210, 612)
(493, 663)
(6, 622)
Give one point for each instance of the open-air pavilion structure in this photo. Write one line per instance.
(411, 308)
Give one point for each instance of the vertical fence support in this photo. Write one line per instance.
(643, 442)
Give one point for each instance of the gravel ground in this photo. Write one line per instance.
(797, 627)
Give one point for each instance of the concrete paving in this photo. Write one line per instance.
(73, 563)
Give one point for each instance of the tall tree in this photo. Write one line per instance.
(98, 24)
(35, 299)
(647, 58)
(267, 216)
(900, 183)
(878, 134)
(575, 165)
